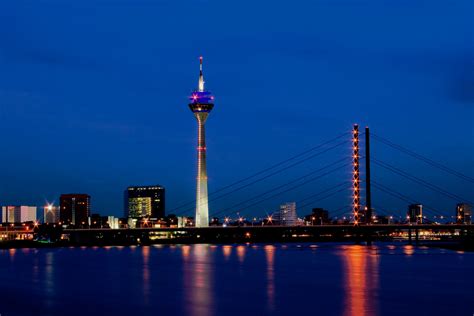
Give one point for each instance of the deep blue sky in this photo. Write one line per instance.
(93, 94)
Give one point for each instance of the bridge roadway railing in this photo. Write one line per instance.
(267, 233)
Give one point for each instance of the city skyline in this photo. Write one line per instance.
(335, 175)
(75, 119)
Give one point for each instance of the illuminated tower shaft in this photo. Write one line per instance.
(356, 175)
(202, 204)
(201, 105)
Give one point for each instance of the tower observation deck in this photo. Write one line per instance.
(201, 104)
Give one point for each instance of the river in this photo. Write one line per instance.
(248, 279)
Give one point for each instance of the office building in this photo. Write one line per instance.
(18, 214)
(51, 214)
(10, 214)
(463, 213)
(145, 201)
(287, 215)
(201, 104)
(415, 214)
(74, 209)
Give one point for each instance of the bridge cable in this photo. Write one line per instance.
(419, 181)
(404, 197)
(286, 184)
(277, 172)
(423, 158)
(318, 194)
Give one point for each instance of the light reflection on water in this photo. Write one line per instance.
(49, 284)
(241, 253)
(408, 250)
(198, 281)
(227, 251)
(264, 279)
(12, 254)
(146, 274)
(270, 259)
(361, 274)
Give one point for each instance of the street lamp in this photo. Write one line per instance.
(269, 219)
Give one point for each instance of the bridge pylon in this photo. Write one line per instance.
(355, 176)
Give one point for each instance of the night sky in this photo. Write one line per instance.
(93, 95)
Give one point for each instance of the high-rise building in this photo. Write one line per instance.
(18, 214)
(415, 213)
(75, 209)
(145, 201)
(51, 214)
(287, 215)
(463, 213)
(201, 104)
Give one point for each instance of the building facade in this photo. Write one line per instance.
(74, 209)
(415, 214)
(287, 215)
(144, 201)
(463, 213)
(113, 222)
(18, 214)
(51, 214)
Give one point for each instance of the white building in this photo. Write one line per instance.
(18, 214)
(51, 214)
(113, 222)
(28, 213)
(287, 214)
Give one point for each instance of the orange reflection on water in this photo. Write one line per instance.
(198, 281)
(408, 250)
(270, 258)
(146, 273)
(361, 280)
(241, 253)
(12, 252)
(185, 250)
(226, 251)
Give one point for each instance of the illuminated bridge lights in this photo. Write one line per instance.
(356, 176)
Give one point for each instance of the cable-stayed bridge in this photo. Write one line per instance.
(355, 218)
(353, 194)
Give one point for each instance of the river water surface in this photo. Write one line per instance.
(254, 279)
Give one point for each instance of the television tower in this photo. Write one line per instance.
(201, 103)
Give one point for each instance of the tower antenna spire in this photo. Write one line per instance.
(201, 76)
